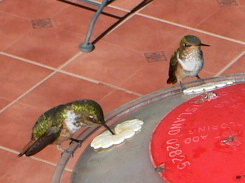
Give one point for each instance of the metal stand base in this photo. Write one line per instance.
(86, 47)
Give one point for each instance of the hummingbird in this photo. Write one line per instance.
(61, 122)
(187, 61)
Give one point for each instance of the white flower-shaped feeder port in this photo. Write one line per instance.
(123, 131)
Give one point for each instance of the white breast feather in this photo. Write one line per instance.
(193, 63)
(71, 122)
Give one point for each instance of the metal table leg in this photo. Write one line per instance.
(87, 46)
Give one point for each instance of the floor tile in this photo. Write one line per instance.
(145, 35)
(62, 88)
(49, 46)
(80, 25)
(116, 99)
(24, 169)
(17, 76)
(36, 8)
(14, 27)
(236, 67)
(18, 118)
(126, 4)
(240, 3)
(229, 22)
(3, 102)
(186, 12)
(149, 79)
(109, 63)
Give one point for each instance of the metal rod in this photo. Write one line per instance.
(87, 46)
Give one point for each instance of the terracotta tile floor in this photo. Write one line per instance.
(41, 65)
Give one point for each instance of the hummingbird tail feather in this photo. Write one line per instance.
(34, 146)
(40, 144)
(26, 148)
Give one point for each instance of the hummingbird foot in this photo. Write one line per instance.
(76, 140)
(200, 79)
(67, 151)
(60, 148)
(182, 86)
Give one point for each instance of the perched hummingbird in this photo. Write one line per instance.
(187, 61)
(61, 122)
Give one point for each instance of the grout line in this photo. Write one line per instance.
(193, 29)
(108, 94)
(39, 83)
(9, 150)
(28, 91)
(48, 162)
(43, 65)
(58, 70)
(207, 17)
(99, 82)
(70, 60)
(60, 10)
(69, 73)
(115, 7)
(129, 14)
(28, 61)
(80, 77)
(32, 157)
(181, 25)
(230, 64)
(121, 23)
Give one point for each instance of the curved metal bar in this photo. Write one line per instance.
(87, 46)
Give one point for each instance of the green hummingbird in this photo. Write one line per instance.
(62, 122)
(187, 61)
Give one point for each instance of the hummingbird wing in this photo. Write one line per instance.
(34, 146)
(172, 69)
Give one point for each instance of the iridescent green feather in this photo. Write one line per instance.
(53, 117)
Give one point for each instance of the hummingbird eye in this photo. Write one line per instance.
(187, 45)
(93, 118)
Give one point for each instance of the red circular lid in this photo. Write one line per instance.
(202, 141)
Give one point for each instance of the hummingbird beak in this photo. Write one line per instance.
(96, 121)
(202, 44)
(108, 128)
